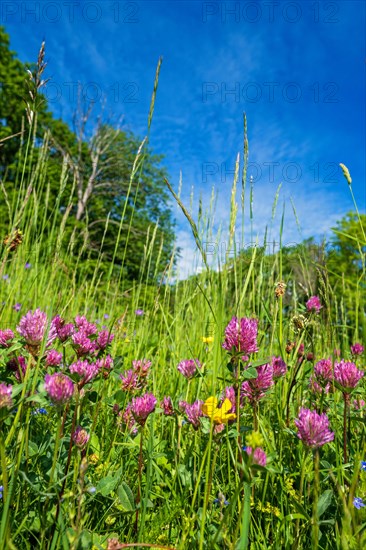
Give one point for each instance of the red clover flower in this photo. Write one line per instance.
(347, 375)
(143, 406)
(314, 304)
(188, 367)
(5, 396)
(313, 428)
(241, 336)
(60, 388)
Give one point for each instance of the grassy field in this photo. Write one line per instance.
(204, 413)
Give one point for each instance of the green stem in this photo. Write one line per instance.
(244, 540)
(346, 398)
(55, 452)
(4, 468)
(315, 520)
(140, 466)
(209, 473)
(301, 489)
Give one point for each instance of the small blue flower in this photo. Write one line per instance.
(358, 503)
(106, 316)
(5, 277)
(1, 491)
(91, 490)
(221, 500)
(139, 312)
(363, 465)
(40, 411)
(28, 265)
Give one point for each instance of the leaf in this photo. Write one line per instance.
(300, 509)
(250, 373)
(292, 517)
(94, 443)
(32, 448)
(106, 485)
(126, 497)
(230, 367)
(324, 501)
(260, 362)
(184, 475)
(14, 347)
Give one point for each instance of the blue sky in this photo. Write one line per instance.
(296, 68)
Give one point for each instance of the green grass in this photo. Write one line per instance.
(169, 485)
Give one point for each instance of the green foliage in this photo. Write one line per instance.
(107, 192)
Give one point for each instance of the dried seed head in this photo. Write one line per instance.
(13, 240)
(290, 346)
(299, 323)
(280, 289)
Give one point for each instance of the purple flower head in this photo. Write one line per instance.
(357, 349)
(106, 316)
(359, 404)
(105, 362)
(229, 393)
(128, 418)
(80, 437)
(5, 337)
(6, 277)
(104, 338)
(317, 388)
(18, 365)
(5, 396)
(300, 351)
(258, 456)
(167, 406)
(27, 265)
(241, 336)
(347, 375)
(53, 358)
(256, 388)
(323, 371)
(142, 407)
(33, 327)
(188, 367)
(314, 304)
(60, 388)
(84, 326)
(17, 306)
(193, 412)
(63, 330)
(279, 367)
(82, 344)
(358, 503)
(141, 367)
(130, 381)
(139, 312)
(313, 428)
(87, 371)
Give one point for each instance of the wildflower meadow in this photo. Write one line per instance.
(223, 411)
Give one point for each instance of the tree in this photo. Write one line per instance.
(119, 186)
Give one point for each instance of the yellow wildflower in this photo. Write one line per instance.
(207, 339)
(254, 440)
(289, 487)
(218, 415)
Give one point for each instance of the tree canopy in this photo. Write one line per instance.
(117, 186)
